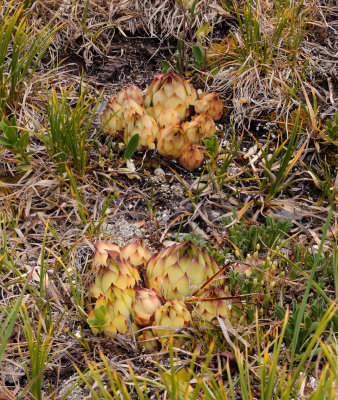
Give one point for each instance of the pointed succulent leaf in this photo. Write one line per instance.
(176, 272)
(136, 253)
(171, 316)
(102, 253)
(145, 304)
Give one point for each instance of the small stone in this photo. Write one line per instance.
(159, 172)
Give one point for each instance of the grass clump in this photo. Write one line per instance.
(66, 132)
(21, 51)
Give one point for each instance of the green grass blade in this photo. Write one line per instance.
(8, 324)
(308, 287)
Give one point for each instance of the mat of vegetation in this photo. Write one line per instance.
(254, 217)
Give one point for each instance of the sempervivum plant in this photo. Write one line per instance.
(113, 290)
(145, 304)
(163, 118)
(112, 118)
(172, 141)
(132, 92)
(169, 318)
(200, 127)
(207, 125)
(168, 116)
(170, 91)
(103, 251)
(117, 273)
(213, 303)
(114, 306)
(136, 253)
(146, 341)
(176, 272)
(134, 290)
(145, 126)
(117, 114)
(209, 103)
(192, 157)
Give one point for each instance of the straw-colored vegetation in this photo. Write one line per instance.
(240, 297)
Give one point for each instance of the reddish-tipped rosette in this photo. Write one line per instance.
(136, 253)
(144, 306)
(176, 272)
(103, 249)
(170, 91)
(132, 92)
(212, 303)
(209, 103)
(172, 141)
(143, 125)
(169, 318)
(192, 157)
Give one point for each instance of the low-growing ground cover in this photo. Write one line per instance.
(262, 204)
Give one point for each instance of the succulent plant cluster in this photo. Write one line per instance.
(134, 289)
(171, 117)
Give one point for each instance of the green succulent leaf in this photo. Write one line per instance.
(100, 318)
(131, 147)
(5, 142)
(23, 141)
(165, 66)
(211, 145)
(10, 130)
(198, 54)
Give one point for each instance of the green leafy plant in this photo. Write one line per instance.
(219, 161)
(85, 218)
(312, 316)
(21, 50)
(8, 321)
(330, 131)
(66, 136)
(308, 286)
(282, 158)
(131, 147)
(188, 40)
(305, 259)
(254, 45)
(100, 318)
(246, 238)
(38, 350)
(15, 141)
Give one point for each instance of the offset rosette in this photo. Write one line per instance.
(143, 125)
(192, 157)
(211, 304)
(209, 103)
(172, 141)
(117, 273)
(115, 306)
(176, 272)
(146, 341)
(103, 249)
(170, 91)
(136, 253)
(112, 117)
(167, 116)
(207, 125)
(200, 127)
(119, 110)
(132, 92)
(144, 306)
(173, 315)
